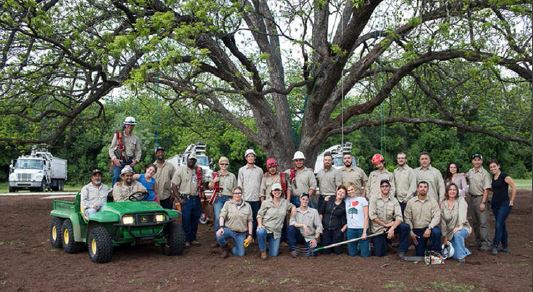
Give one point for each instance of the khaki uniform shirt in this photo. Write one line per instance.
(311, 219)
(273, 216)
(269, 180)
(185, 180)
(454, 217)
(405, 181)
(163, 178)
(480, 180)
(422, 213)
(385, 209)
(226, 182)
(236, 217)
(132, 146)
(122, 192)
(356, 176)
(304, 180)
(91, 195)
(374, 180)
(249, 179)
(328, 181)
(434, 178)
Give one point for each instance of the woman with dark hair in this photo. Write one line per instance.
(458, 178)
(147, 179)
(454, 223)
(501, 205)
(333, 215)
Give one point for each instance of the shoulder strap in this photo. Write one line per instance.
(216, 189)
(120, 142)
(283, 181)
(199, 181)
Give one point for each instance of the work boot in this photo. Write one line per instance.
(196, 243)
(402, 255)
(264, 255)
(226, 251)
(494, 251)
(294, 254)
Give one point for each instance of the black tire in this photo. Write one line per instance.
(175, 236)
(67, 238)
(100, 245)
(56, 236)
(13, 189)
(61, 185)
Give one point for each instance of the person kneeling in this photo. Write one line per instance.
(305, 227)
(386, 213)
(235, 222)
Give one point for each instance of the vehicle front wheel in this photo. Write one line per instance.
(55, 232)
(100, 245)
(13, 189)
(175, 240)
(67, 233)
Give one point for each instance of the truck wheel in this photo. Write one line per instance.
(100, 245)
(13, 189)
(175, 240)
(61, 185)
(55, 232)
(67, 233)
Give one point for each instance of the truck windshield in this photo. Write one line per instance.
(29, 164)
(202, 160)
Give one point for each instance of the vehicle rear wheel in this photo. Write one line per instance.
(100, 245)
(175, 240)
(67, 233)
(55, 232)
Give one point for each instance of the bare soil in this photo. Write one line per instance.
(29, 263)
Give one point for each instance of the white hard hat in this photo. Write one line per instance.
(447, 250)
(126, 169)
(298, 155)
(130, 121)
(249, 151)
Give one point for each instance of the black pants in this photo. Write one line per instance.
(330, 237)
(167, 203)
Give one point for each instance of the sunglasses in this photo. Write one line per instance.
(237, 193)
(385, 186)
(224, 163)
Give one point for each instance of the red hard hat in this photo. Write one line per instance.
(377, 158)
(271, 162)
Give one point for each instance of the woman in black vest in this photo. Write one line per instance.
(333, 213)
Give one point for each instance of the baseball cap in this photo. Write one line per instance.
(384, 181)
(476, 155)
(126, 169)
(276, 186)
(95, 171)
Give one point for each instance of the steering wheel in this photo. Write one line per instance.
(138, 196)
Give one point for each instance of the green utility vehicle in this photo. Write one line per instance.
(131, 222)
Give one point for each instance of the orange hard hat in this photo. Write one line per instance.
(377, 158)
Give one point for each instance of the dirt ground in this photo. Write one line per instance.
(29, 263)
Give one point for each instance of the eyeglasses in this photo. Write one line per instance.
(224, 164)
(351, 190)
(385, 186)
(237, 193)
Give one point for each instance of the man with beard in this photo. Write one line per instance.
(376, 176)
(422, 214)
(163, 177)
(301, 178)
(93, 195)
(405, 180)
(123, 189)
(186, 187)
(353, 174)
(329, 179)
(432, 176)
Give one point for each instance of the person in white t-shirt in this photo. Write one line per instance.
(357, 219)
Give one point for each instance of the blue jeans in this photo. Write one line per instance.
(265, 239)
(238, 239)
(501, 211)
(255, 208)
(380, 242)
(435, 238)
(191, 211)
(117, 170)
(458, 243)
(361, 247)
(217, 207)
(294, 237)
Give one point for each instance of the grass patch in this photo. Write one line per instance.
(4, 188)
(396, 285)
(523, 184)
(447, 286)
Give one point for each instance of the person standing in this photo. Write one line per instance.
(454, 223)
(125, 148)
(329, 179)
(431, 176)
(301, 178)
(163, 178)
(249, 179)
(405, 179)
(186, 187)
(458, 178)
(305, 227)
(333, 214)
(93, 196)
(357, 220)
(376, 176)
(478, 190)
(274, 176)
(270, 219)
(235, 222)
(422, 214)
(386, 215)
(222, 184)
(501, 205)
(353, 174)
